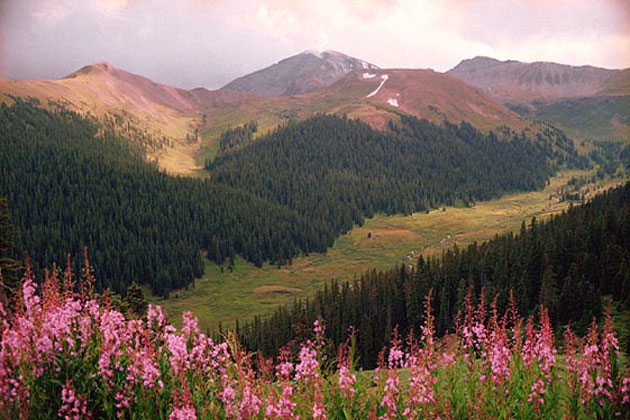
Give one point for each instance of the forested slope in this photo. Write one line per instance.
(68, 187)
(566, 264)
(73, 182)
(337, 171)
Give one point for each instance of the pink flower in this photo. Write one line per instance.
(283, 408)
(249, 405)
(190, 324)
(183, 412)
(395, 358)
(390, 397)
(536, 392)
(346, 380)
(318, 411)
(284, 369)
(31, 300)
(177, 346)
(155, 317)
(307, 367)
(73, 406)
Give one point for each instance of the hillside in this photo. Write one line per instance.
(420, 93)
(72, 183)
(150, 108)
(600, 117)
(566, 264)
(588, 102)
(305, 72)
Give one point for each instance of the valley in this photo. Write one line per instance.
(221, 296)
(210, 212)
(186, 126)
(345, 207)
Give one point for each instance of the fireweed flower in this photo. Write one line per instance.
(346, 379)
(155, 317)
(73, 405)
(137, 364)
(307, 367)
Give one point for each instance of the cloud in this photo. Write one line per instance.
(193, 43)
(431, 33)
(112, 7)
(518, 21)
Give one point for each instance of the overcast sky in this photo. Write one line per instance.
(192, 43)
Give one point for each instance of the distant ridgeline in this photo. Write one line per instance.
(565, 264)
(73, 182)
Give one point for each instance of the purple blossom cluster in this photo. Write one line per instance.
(70, 355)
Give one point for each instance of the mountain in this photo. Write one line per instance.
(183, 126)
(618, 84)
(421, 93)
(586, 101)
(305, 72)
(102, 88)
(373, 96)
(513, 81)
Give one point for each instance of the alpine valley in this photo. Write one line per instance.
(321, 190)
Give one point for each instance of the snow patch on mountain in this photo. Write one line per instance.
(316, 53)
(368, 76)
(393, 102)
(384, 78)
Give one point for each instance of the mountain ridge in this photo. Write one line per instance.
(587, 102)
(195, 119)
(513, 81)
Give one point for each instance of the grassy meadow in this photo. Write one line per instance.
(383, 241)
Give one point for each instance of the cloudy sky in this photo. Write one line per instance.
(191, 43)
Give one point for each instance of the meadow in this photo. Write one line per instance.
(224, 295)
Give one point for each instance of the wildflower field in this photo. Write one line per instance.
(65, 353)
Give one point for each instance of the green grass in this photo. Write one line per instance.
(222, 297)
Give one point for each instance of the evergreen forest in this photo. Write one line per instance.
(72, 182)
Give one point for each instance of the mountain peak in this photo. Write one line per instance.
(316, 53)
(308, 71)
(322, 53)
(95, 68)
